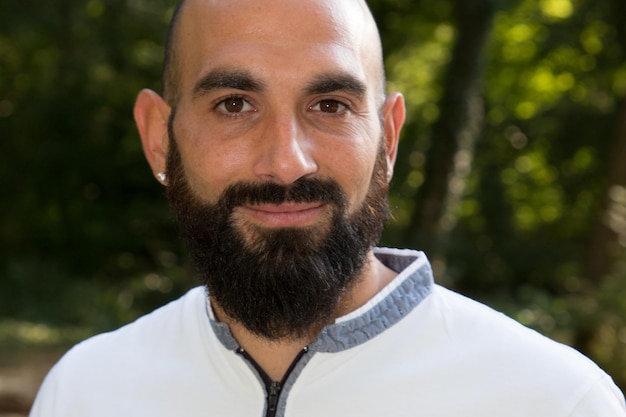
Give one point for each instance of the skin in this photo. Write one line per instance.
(305, 81)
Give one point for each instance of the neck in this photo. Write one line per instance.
(275, 356)
(374, 278)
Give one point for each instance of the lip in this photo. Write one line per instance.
(284, 215)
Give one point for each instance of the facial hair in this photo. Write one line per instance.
(279, 283)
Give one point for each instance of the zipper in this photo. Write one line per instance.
(272, 388)
(272, 398)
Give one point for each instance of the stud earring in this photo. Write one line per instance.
(161, 176)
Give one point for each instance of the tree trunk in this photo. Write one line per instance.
(455, 133)
(609, 230)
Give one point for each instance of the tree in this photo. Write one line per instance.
(457, 129)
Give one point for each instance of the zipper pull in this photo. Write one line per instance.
(272, 397)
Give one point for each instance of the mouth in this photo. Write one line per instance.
(284, 215)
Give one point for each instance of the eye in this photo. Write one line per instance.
(234, 104)
(329, 106)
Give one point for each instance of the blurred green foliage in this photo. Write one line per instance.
(85, 235)
(86, 238)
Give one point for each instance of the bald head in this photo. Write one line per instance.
(170, 72)
(350, 19)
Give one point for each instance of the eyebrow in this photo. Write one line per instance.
(243, 80)
(329, 83)
(222, 78)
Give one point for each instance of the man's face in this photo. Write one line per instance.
(274, 145)
(275, 91)
(278, 282)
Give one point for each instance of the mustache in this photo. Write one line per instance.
(304, 190)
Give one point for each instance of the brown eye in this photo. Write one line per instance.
(234, 105)
(329, 106)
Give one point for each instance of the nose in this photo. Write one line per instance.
(285, 152)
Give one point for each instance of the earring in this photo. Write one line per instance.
(161, 176)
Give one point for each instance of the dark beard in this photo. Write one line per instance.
(277, 283)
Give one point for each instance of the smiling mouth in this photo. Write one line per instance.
(284, 215)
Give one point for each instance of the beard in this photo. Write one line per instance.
(279, 283)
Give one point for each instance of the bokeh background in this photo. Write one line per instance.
(511, 173)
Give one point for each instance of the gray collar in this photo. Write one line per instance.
(413, 283)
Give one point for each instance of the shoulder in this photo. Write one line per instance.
(483, 329)
(172, 317)
(499, 352)
(138, 343)
(125, 361)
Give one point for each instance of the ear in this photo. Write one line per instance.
(393, 114)
(151, 117)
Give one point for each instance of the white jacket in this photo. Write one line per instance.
(415, 349)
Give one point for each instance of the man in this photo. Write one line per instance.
(276, 143)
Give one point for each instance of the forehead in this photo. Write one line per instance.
(272, 38)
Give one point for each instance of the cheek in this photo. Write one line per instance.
(210, 165)
(353, 164)
(362, 180)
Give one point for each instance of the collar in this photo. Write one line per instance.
(413, 283)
